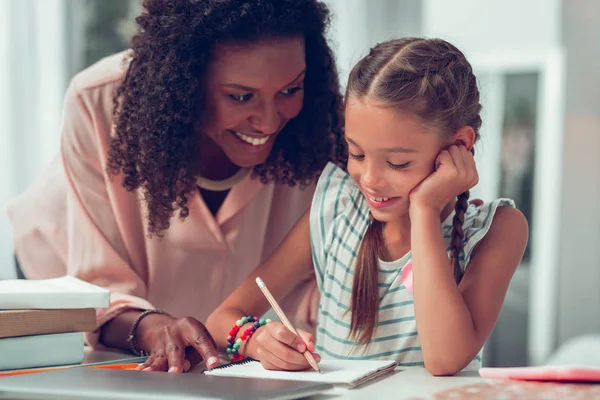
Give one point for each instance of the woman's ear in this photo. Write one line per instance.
(465, 136)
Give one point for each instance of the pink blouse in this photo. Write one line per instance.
(74, 220)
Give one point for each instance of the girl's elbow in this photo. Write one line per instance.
(438, 369)
(438, 366)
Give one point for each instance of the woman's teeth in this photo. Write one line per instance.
(379, 199)
(252, 140)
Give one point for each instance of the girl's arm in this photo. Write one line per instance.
(455, 321)
(291, 261)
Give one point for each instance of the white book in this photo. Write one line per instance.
(41, 350)
(349, 373)
(58, 293)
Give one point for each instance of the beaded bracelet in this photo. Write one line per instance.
(233, 345)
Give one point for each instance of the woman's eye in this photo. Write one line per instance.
(240, 97)
(291, 91)
(398, 166)
(356, 156)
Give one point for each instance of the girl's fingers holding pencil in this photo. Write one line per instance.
(284, 335)
(308, 340)
(279, 356)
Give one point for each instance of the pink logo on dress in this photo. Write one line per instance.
(406, 277)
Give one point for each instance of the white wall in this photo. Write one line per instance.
(360, 24)
(33, 81)
(481, 26)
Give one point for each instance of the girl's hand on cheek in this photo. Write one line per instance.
(455, 173)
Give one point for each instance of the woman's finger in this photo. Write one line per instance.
(146, 363)
(160, 362)
(192, 358)
(196, 335)
(175, 352)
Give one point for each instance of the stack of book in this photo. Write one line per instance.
(42, 321)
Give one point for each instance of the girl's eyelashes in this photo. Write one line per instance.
(360, 157)
(398, 166)
(357, 157)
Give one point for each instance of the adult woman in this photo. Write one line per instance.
(224, 111)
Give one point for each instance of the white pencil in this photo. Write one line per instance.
(307, 354)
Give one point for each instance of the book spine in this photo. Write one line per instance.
(41, 350)
(39, 322)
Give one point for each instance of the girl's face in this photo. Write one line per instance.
(253, 90)
(390, 153)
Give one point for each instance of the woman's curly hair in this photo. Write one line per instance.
(157, 104)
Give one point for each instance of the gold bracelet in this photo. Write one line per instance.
(131, 336)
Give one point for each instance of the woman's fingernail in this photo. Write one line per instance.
(186, 366)
(172, 369)
(213, 361)
(301, 347)
(147, 369)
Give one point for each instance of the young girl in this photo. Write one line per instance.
(407, 269)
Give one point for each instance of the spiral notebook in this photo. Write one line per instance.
(337, 372)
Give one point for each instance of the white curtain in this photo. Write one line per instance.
(33, 79)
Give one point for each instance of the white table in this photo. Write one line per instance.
(418, 384)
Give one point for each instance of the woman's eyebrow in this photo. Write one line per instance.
(251, 89)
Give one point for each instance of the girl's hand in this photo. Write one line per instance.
(278, 348)
(455, 173)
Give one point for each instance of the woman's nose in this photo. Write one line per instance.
(267, 119)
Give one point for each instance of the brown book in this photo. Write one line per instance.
(38, 322)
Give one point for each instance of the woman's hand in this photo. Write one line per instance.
(278, 348)
(175, 344)
(455, 173)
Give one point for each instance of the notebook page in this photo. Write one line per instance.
(339, 372)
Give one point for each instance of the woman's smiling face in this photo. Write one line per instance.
(253, 90)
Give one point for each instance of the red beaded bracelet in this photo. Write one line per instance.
(233, 345)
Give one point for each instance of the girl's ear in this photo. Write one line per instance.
(464, 136)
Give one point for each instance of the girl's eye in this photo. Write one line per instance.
(398, 166)
(358, 157)
(291, 91)
(240, 98)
